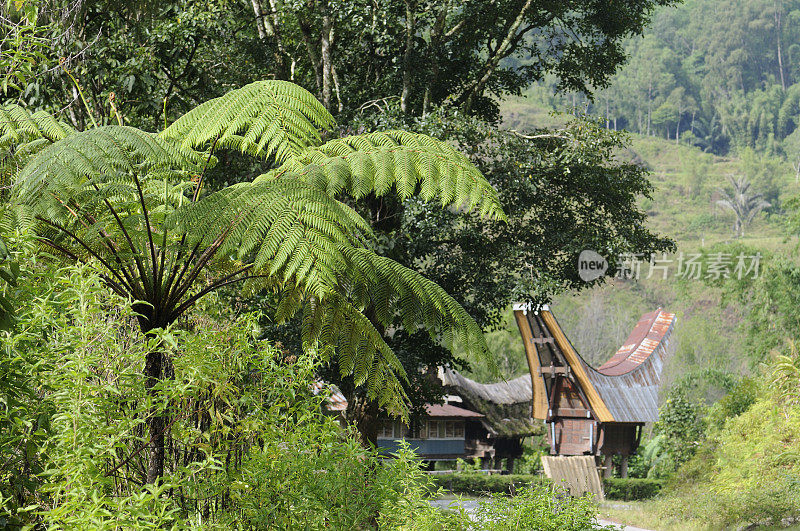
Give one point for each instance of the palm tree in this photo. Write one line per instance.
(129, 203)
(744, 204)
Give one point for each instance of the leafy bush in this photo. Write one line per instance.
(741, 396)
(478, 484)
(747, 469)
(248, 444)
(648, 460)
(681, 426)
(630, 489)
(536, 507)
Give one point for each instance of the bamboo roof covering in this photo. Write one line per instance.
(506, 406)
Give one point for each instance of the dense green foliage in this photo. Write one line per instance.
(747, 469)
(538, 507)
(161, 59)
(248, 442)
(334, 227)
(719, 75)
(122, 198)
(478, 484)
(629, 489)
(430, 67)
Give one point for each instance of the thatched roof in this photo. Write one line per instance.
(506, 405)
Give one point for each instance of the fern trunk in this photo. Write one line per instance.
(157, 420)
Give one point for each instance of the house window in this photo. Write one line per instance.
(445, 429)
(391, 429)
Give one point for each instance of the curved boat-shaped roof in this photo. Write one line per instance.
(624, 389)
(648, 334)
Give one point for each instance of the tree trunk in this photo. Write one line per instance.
(436, 33)
(272, 27)
(325, 48)
(410, 29)
(778, 37)
(363, 413)
(157, 421)
(438, 37)
(649, 104)
(259, 13)
(494, 60)
(313, 56)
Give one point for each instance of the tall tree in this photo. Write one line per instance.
(743, 202)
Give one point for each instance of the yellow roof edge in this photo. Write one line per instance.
(597, 403)
(538, 391)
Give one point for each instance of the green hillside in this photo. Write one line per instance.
(687, 183)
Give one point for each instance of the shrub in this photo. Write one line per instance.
(539, 506)
(249, 446)
(746, 471)
(478, 484)
(629, 489)
(742, 395)
(681, 426)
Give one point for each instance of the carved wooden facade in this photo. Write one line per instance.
(590, 411)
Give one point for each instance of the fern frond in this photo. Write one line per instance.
(393, 291)
(97, 156)
(263, 119)
(410, 163)
(360, 350)
(24, 134)
(288, 229)
(18, 125)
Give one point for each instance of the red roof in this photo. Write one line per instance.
(447, 410)
(648, 334)
(336, 401)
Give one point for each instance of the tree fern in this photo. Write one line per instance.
(127, 201)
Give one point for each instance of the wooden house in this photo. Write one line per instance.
(506, 417)
(447, 433)
(590, 411)
(484, 422)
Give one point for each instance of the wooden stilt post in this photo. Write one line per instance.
(609, 466)
(623, 469)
